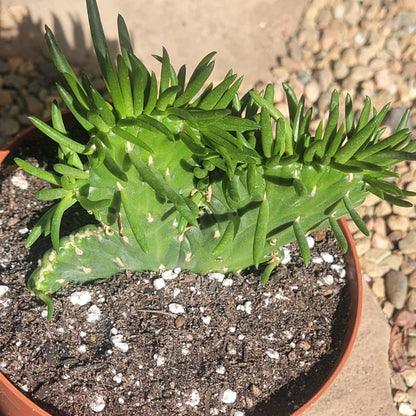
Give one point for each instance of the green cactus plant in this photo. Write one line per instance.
(179, 174)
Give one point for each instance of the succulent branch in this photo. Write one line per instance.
(180, 174)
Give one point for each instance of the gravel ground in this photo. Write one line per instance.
(365, 48)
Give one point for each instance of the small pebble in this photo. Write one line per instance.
(406, 409)
(408, 244)
(411, 346)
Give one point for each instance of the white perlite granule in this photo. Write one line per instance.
(80, 298)
(311, 241)
(216, 276)
(19, 180)
(272, 354)
(159, 283)
(329, 258)
(170, 274)
(117, 341)
(118, 378)
(98, 404)
(228, 396)
(94, 313)
(3, 290)
(176, 308)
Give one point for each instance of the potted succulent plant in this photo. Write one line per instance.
(179, 174)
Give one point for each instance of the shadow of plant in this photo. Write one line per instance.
(27, 75)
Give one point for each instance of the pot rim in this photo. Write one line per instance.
(355, 289)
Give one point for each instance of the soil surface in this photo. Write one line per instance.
(170, 343)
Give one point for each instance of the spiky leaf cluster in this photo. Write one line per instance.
(182, 173)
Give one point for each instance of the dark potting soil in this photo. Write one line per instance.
(199, 345)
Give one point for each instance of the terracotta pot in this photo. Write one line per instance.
(15, 403)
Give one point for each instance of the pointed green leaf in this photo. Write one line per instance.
(165, 72)
(79, 113)
(136, 223)
(211, 99)
(403, 123)
(157, 125)
(266, 131)
(41, 227)
(167, 97)
(123, 35)
(231, 123)
(65, 203)
(70, 171)
(140, 80)
(195, 84)
(268, 271)
(227, 237)
(114, 88)
(97, 34)
(365, 114)
(339, 235)
(58, 137)
(50, 194)
(260, 232)
(125, 135)
(77, 90)
(390, 157)
(360, 137)
(125, 85)
(349, 116)
(114, 168)
(292, 100)
(397, 201)
(355, 216)
(389, 142)
(162, 188)
(332, 124)
(151, 96)
(302, 241)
